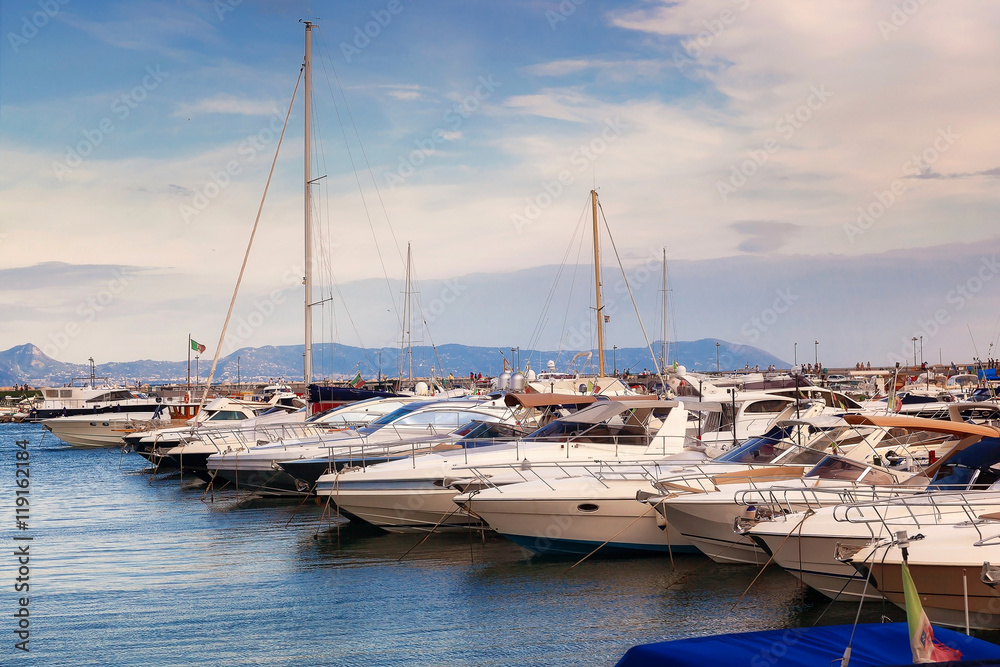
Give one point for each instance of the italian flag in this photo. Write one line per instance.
(197, 347)
(357, 382)
(922, 643)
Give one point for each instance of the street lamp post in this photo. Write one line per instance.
(717, 358)
(921, 350)
(238, 374)
(914, 339)
(816, 354)
(795, 354)
(512, 358)
(197, 370)
(614, 358)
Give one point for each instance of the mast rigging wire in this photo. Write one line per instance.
(355, 170)
(246, 255)
(649, 346)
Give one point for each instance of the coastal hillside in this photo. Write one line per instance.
(27, 364)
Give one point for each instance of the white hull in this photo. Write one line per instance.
(811, 560)
(709, 526)
(93, 432)
(408, 508)
(575, 518)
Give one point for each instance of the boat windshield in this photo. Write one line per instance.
(985, 394)
(564, 431)
(479, 434)
(398, 413)
(761, 449)
(275, 411)
(846, 470)
(837, 439)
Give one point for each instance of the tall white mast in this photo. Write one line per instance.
(597, 281)
(663, 340)
(409, 316)
(406, 337)
(307, 279)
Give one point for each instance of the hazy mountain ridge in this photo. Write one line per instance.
(27, 364)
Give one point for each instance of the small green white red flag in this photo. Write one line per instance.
(922, 643)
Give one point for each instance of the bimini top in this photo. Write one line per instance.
(818, 646)
(923, 424)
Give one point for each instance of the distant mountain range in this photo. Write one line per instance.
(26, 364)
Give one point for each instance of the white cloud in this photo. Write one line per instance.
(227, 104)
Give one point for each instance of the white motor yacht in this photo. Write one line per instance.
(415, 494)
(865, 453)
(276, 425)
(416, 426)
(805, 543)
(104, 430)
(949, 542)
(567, 509)
(219, 413)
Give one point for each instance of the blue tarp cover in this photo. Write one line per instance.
(874, 644)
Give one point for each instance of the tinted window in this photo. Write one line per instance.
(766, 406)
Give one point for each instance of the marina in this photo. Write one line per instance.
(131, 572)
(635, 333)
(465, 519)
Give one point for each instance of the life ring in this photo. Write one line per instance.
(187, 397)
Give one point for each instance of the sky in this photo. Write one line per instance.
(822, 177)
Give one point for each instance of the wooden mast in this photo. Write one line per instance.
(597, 285)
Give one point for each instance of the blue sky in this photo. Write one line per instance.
(854, 141)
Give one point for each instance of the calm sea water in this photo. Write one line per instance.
(125, 571)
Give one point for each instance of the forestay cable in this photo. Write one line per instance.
(246, 255)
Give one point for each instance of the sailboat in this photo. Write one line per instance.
(321, 397)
